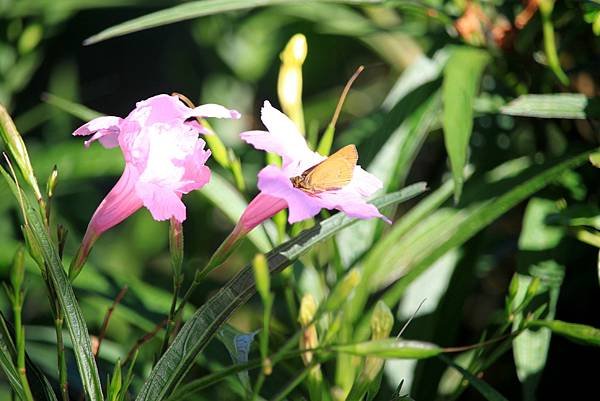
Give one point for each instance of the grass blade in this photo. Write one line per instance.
(192, 10)
(580, 333)
(559, 105)
(408, 253)
(485, 389)
(461, 80)
(390, 348)
(537, 244)
(68, 303)
(209, 318)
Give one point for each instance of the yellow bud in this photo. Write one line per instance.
(17, 150)
(343, 290)
(261, 275)
(382, 321)
(52, 181)
(289, 85)
(308, 308)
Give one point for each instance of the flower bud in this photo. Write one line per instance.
(17, 150)
(261, 275)
(289, 85)
(308, 309)
(17, 271)
(32, 246)
(52, 181)
(176, 245)
(382, 321)
(343, 290)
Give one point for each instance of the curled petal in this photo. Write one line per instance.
(212, 110)
(105, 129)
(351, 204)
(159, 109)
(163, 203)
(282, 137)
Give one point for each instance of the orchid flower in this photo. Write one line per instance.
(164, 159)
(284, 139)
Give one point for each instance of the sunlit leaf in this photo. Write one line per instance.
(484, 389)
(195, 9)
(559, 105)
(580, 333)
(461, 81)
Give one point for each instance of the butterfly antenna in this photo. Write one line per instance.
(411, 318)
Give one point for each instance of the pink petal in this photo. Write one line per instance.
(351, 204)
(363, 183)
(212, 110)
(283, 137)
(120, 203)
(273, 181)
(106, 129)
(159, 109)
(163, 203)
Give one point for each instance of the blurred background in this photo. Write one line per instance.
(233, 59)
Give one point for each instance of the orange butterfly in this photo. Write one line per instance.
(331, 174)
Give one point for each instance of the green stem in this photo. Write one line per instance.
(264, 344)
(173, 312)
(20, 341)
(62, 361)
(546, 7)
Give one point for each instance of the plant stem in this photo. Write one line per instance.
(20, 341)
(62, 362)
(173, 311)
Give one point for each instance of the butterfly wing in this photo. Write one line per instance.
(332, 173)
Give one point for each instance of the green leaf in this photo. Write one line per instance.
(390, 348)
(7, 356)
(393, 144)
(485, 389)
(78, 110)
(425, 234)
(536, 243)
(558, 105)
(461, 81)
(74, 320)
(579, 333)
(40, 387)
(209, 318)
(196, 9)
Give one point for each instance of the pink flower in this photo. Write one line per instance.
(284, 139)
(164, 159)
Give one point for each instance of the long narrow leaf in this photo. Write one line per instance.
(7, 356)
(203, 325)
(580, 333)
(461, 79)
(196, 9)
(418, 246)
(559, 105)
(40, 387)
(485, 389)
(74, 320)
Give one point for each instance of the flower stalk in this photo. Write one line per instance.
(16, 296)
